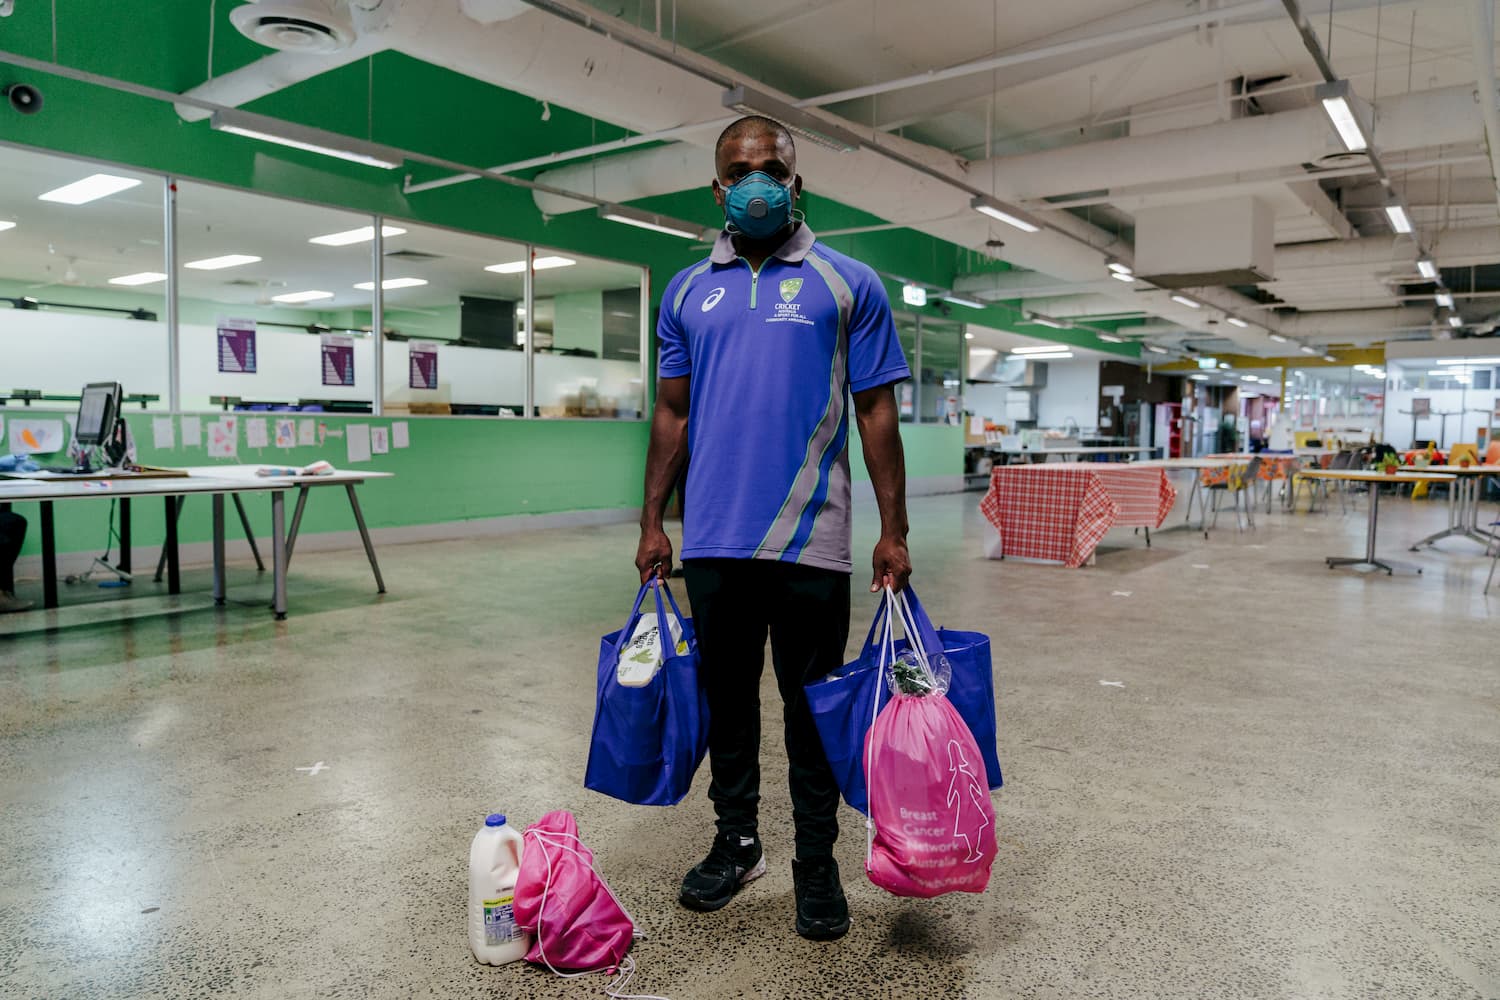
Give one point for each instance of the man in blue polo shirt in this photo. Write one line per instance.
(762, 346)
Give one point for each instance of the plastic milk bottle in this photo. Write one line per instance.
(494, 863)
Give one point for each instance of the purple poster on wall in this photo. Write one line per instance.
(237, 346)
(338, 359)
(424, 361)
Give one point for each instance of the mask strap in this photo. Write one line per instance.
(798, 216)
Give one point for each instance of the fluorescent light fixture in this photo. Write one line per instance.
(91, 188)
(1249, 395)
(1039, 349)
(312, 140)
(1236, 321)
(1119, 268)
(1364, 368)
(749, 101)
(1197, 377)
(293, 298)
(1154, 349)
(1110, 338)
(391, 283)
(1053, 356)
(219, 263)
(655, 223)
(1184, 300)
(1308, 349)
(968, 336)
(985, 205)
(1336, 98)
(363, 234)
(141, 278)
(1427, 268)
(959, 301)
(1468, 361)
(1329, 358)
(1249, 378)
(1122, 276)
(540, 264)
(1444, 299)
(1396, 213)
(913, 295)
(6, 224)
(1455, 321)
(1224, 365)
(1277, 337)
(1056, 324)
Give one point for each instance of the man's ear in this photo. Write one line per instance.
(718, 193)
(797, 187)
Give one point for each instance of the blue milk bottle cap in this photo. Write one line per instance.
(495, 819)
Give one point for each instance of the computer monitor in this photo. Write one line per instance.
(97, 411)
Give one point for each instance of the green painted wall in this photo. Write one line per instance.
(456, 469)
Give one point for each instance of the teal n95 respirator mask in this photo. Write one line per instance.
(757, 205)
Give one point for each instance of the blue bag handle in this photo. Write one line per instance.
(635, 611)
(926, 631)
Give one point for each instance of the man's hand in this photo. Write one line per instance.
(654, 555)
(892, 565)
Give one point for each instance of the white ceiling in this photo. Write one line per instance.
(1080, 72)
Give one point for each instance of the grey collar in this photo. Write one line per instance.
(792, 251)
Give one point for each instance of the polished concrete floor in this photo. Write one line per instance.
(1294, 793)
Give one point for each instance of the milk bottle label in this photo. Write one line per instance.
(500, 921)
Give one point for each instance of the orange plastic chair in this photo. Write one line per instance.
(1492, 453)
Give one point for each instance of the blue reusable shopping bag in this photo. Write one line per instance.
(843, 702)
(648, 741)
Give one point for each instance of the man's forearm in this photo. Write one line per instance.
(664, 460)
(880, 433)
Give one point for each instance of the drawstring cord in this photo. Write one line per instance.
(621, 973)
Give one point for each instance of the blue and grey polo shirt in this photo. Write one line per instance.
(773, 358)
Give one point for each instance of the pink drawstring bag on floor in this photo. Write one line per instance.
(932, 824)
(578, 923)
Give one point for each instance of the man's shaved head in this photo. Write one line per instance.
(755, 127)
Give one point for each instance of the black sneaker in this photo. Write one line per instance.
(822, 910)
(733, 862)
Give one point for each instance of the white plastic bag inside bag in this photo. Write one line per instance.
(642, 656)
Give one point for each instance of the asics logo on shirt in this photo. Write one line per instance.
(713, 299)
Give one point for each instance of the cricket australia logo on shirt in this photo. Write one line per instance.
(788, 311)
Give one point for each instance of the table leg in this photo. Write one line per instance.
(174, 568)
(278, 553)
(239, 505)
(364, 535)
(291, 535)
(218, 505)
(1456, 501)
(161, 560)
(1369, 558)
(124, 564)
(49, 557)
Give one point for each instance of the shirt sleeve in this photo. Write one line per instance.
(875, 355)
(672, 357)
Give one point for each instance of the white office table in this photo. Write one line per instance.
(217, 482)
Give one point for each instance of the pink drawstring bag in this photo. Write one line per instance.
(931, 821)
(578, 923)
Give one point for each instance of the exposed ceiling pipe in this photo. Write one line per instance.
(1482, 22)
(1356, 325)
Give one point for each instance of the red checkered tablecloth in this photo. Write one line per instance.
(1061, 512)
